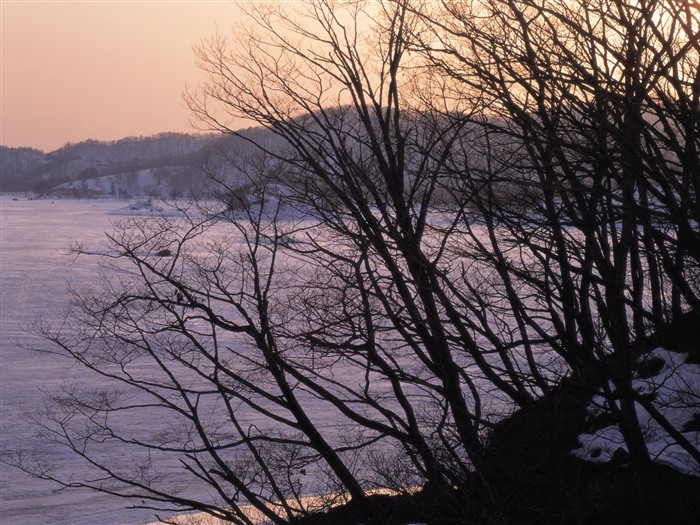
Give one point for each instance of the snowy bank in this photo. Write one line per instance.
(673, 384)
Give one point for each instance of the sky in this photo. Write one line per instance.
(95, 69)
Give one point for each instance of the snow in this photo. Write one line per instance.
(676, 391)
(146, 208)
(33, 279)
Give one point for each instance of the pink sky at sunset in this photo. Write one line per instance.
(74, 70)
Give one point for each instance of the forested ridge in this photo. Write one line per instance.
(173, 156)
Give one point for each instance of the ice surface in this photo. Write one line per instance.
(33, 278)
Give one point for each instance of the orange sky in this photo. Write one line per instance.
(73, 70)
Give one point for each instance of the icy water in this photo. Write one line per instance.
(34, 275)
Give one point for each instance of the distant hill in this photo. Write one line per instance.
(166, 165)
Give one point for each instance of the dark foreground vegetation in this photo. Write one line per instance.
(530, 465)
(473, 220)
(529, 475)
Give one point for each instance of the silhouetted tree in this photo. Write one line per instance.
(597, 104)
(465, 202)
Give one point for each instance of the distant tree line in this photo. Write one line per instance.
(26, 169)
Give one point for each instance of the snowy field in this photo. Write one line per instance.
(34, 274)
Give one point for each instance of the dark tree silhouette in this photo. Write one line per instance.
(464, 203)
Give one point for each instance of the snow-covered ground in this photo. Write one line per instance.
(33, 274)
(675, 389)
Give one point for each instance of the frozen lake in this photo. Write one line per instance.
(35, 273)
(33, 278)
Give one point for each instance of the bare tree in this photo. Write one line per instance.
(462, 204)
(597, 102)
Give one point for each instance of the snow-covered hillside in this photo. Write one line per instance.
(167, 165)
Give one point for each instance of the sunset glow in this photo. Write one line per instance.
(104, 70)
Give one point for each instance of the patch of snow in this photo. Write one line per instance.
(676, 395)
(146, 208)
